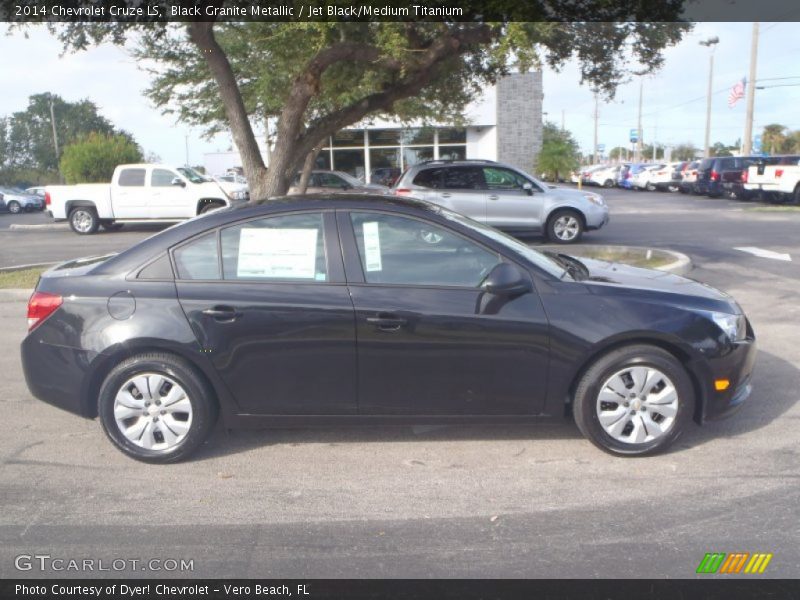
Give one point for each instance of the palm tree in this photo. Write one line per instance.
(773, 137)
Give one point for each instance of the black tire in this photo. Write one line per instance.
(554, 219)
(210, 206)
(14, 207)
(608, 183)
(83, 220)
(198, 392)
(111, 226)
(795, 198)
(650, 187)
(588, 389)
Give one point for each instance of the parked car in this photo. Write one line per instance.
(689, 177)
(349, 308)
(36, 191)
(774, 178)
(17, 201)
(137, 193)
(723, 175)
(625, 177)
(643, 178)
(504, 197)
(385, 176)
(606, 176)
(234, 185)
(330, 182)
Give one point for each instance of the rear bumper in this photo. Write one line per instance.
(57, 374)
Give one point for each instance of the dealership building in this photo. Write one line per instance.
(504, 124)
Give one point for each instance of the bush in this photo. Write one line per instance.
(94, 158)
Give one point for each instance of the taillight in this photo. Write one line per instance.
(744, 176)
(46, 198)
(402, 192)
(40, 306)
(714, 176)
(778, 172)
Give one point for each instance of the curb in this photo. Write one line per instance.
(43, 227)
(680, 265)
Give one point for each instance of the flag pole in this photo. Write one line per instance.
(747, 140)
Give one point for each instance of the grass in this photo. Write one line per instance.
(24, 278)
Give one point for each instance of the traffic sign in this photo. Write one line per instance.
(634, 135)
(601, 147)
(757, 144)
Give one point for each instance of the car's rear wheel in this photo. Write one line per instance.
(156, 408)
(565, 227)
(14, 207)
(83, 220)
(633, 401)
(609, 183)
(650, 187)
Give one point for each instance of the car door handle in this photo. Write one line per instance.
(494, 197)
(222, 313)
(387, 322)
(446, 194)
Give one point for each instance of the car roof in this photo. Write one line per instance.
(163, 240)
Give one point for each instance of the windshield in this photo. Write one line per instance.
(540, 260)
(192, 175)
(352, 181)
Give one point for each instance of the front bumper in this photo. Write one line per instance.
(737, 367)
(596, 217)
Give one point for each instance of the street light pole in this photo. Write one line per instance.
(710, 43)
(596, 116)
(747, 142)
(638, 153)
(55, 136)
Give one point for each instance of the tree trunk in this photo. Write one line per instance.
(202, 35)
(308, 166)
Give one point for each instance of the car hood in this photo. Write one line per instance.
(568, 193)
(606, 276)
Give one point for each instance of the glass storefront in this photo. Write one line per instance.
(379, 155)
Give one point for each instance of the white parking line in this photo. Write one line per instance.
(762, 253)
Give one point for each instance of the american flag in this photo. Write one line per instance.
(737, 92)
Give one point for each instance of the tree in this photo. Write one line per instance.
(559, 154)
(685, 151)
(94, 158)
(317, 78)
(773, 138)
(720, 149)
(618, 153)
(27, 148)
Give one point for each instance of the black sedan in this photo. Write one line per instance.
(354, 309)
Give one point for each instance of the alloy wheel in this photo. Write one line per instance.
(153, 411)
(566, 228)
(82, 220)
(637, 405)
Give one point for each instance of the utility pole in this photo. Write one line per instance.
(710, 43)
(638, 154)
(562, 119)
(747, 142)
(55, 136)
(596, 117)
(186, 139)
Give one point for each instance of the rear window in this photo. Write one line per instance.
(429, 178)
(131, 178)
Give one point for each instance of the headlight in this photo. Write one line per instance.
(239, 195)
(734, 326)
(595, 199)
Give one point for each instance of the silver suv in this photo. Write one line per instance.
(504, 197)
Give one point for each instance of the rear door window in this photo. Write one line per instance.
(463, 178)
(131, 178)
(429, 178)
(199, 259)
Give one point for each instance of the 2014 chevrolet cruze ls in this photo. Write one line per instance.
(346, 309)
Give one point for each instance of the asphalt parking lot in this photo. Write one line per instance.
(477, 501)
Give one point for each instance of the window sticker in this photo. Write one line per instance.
(372, 246)
(278, 253)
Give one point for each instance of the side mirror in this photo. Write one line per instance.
(528, 187)
(506, 280)
(178, 181)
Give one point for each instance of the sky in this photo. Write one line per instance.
(674, 99)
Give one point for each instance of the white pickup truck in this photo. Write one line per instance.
(775, 178)
(137, 193)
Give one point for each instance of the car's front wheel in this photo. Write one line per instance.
(156, 408)
(14, 207)
(633, 401)
(565, 227)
